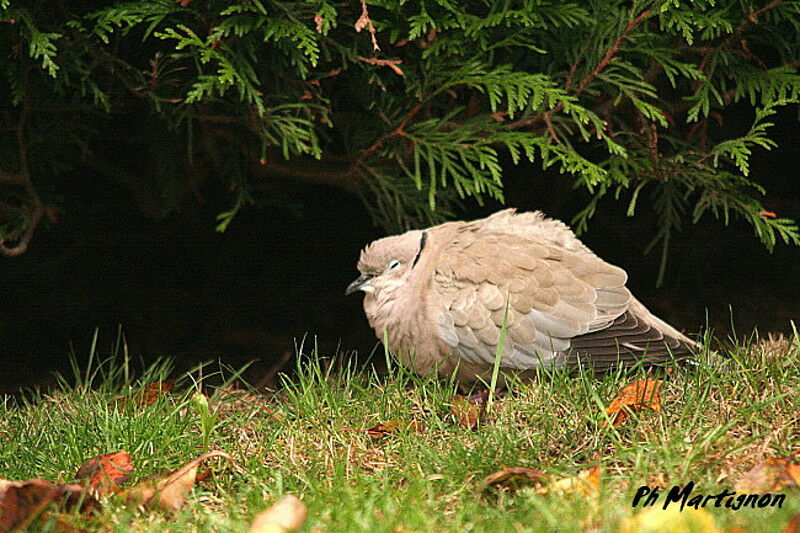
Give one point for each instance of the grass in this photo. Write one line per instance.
(734, 410)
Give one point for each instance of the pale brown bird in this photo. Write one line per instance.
(440, 296)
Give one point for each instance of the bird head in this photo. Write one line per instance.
(386, 264)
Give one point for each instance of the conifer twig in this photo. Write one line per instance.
(584, 83)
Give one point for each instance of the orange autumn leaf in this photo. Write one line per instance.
(154, 391)
(793, 470)
(770, 475)
(169, 491)
(385, 429)
(106, 472)
(147, 396)
(793, 525)
(642, 394)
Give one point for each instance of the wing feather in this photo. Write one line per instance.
(554, 294)
(565, 305)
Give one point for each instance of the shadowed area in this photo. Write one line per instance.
(180, 289)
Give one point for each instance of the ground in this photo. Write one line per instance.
(424, 470)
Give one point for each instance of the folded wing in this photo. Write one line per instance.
(562, 304)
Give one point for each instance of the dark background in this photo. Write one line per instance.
(179, 289)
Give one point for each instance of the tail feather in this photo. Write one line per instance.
(631, 339)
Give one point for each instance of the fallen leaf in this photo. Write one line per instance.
(171, 490)
(23, 502)
(385, 429)
(468, 411)
(288, 514)
(515, 478)
(106, 472)
(168, 492)
(770, 475)
(642, 394)
(232, 399)
(793, 525)
(147, 396)
(671, 520)
(793, 470)
(587, 482)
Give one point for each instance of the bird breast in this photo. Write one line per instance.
(405, 321)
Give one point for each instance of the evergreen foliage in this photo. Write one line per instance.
(409, 103)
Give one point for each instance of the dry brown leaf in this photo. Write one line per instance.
(515, 478)
(288, 514)
(23, 502)
(671, 520)
(232, 399)
(469, 411)
(793, 525)
(106, 472)
(385, 429)
(172, 490)
(147, 396)
(642, 394)
(793, 470)
(169, 492)
(587, 482)
(770, 475)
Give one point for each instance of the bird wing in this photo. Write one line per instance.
(562, 305)
(546, 294)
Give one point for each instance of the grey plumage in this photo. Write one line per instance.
(440, 297)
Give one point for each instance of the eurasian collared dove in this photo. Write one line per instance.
(440, 297)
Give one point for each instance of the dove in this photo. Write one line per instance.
(441, 297)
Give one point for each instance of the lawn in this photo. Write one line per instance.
(425, 470)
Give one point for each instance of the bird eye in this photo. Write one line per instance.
(394, 263)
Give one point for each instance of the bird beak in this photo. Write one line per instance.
(358, 284)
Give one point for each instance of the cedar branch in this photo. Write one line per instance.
(398, 131)
(365, 22)
(752, 18)
(584, 83)
(23, 177)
